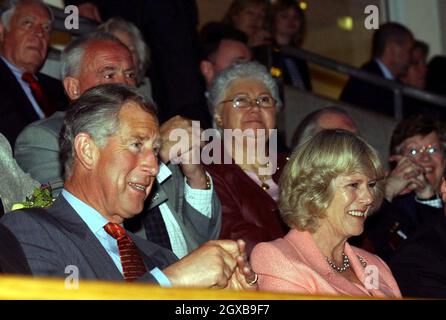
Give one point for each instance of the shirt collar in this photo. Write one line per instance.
(163, 173)
(94, 220)
(17, 72)
(385, 70)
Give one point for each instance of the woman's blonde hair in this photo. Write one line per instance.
(307, 180)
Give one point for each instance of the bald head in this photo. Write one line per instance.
(334, 120)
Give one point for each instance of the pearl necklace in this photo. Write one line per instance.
(345, 263)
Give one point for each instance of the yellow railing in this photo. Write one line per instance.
(25, 288)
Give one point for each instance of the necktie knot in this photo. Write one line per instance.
(28, 77)
(115, 230)
(42, 100)
(132, 263)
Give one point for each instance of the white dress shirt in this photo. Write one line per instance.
(200, 200)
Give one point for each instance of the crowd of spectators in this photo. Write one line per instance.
(143, 194)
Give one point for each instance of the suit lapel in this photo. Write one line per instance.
(78, 232)
(157, 196)
(13, 88)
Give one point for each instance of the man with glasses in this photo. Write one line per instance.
(412, 187)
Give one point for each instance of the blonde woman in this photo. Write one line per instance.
(328, 188)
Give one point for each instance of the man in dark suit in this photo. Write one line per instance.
(12, 258)
(391, 56)
(419, 264)
(26, 95)
(109, 144)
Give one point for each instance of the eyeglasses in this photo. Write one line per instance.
(429, 149)
(243, 101)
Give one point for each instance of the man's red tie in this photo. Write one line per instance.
(132, 263)
(41, 99)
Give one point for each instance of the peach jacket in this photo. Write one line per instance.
(294, 264)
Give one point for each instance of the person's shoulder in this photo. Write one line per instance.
(370, 66)
(51, 125)
(266, 249)
(5, 147)
(48, 79)
(25, 219)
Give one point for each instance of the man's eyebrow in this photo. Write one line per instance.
(107, 68)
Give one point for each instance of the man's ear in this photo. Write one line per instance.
(86, 151)
(207, 70)
(71, 86)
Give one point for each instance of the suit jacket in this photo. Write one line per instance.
(56, 237)
(12, 258)
(419, 264)
(37, 151)
(363, 94)
(248, 212)
(384, 230)
(295, 264)
(196, 228)
(16, 110)
(15, 185)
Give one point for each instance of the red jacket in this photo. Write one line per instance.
(248, 212)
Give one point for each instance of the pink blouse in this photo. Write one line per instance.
(294, 264)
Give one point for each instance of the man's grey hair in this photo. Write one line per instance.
(241, 71)
(73, 54)
(96, 114)
(117, 24)
(308, 127)
(8, 8)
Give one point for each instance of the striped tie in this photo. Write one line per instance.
(132, 263)
(38, 93)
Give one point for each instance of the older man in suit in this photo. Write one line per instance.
(26, 95)
(391, 57)
(183, 210)
(109, 144)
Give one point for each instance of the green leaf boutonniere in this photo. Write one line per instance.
(41, 197)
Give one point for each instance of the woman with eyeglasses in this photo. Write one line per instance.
(244, 100)
(412, 186)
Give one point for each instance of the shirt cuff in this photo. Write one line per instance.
(436, 202)
(199, 199)
(161, 278)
